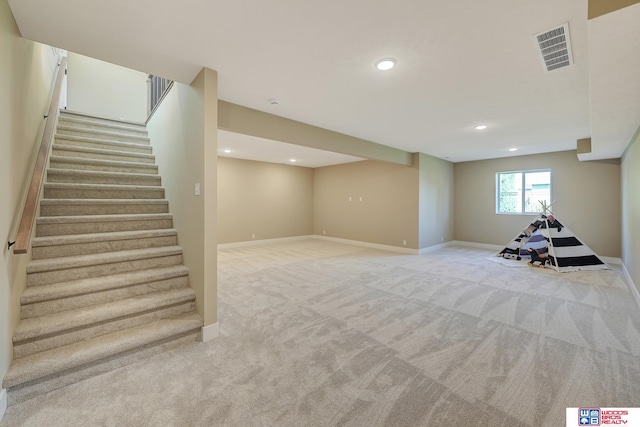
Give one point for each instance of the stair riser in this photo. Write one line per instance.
(47, 277)
(52, 382)
(54, 175)
(103, 193)
(101, 122)
(70, 303)
(119, 157)
(92, 127)
(103, 135)
(58, 251)
(104, 145)
(103, 209)
(43, 230)
(128, 168)
(154, 313)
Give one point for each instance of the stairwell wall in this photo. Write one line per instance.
(183, 132)
(26, 81)
(106, 90)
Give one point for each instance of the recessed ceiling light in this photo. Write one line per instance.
(292, 160)
(481, 127)
(227, 150)
(385, 64)
(513, 149)
(274, 101)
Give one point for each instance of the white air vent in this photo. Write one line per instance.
(555, 48)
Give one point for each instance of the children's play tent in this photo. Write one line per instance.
(546, 242)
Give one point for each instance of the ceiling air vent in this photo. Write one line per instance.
(555, 48)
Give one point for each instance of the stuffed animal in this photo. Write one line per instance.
(538, 258)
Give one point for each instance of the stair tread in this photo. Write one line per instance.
(101, 186)
(33, 294)
(73, 319)
(81, 123)
(76, 261)
(58, 146)
(83, 116)
(88, 161)
(102, 201)
(102, 218)
(59, 359)
(63, 171)
(68, 239)
(97, 132)
(143, 144)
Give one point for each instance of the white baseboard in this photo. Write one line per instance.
(367, 245)
(434, 248)
(610, 260)
(3, 402)
(261, 242)
(488, 246)
(632, 286)
(210, 332)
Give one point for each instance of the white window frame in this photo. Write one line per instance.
(523, 201)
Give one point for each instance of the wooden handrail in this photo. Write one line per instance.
(23, 238)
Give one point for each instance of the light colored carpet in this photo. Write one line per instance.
(316, 333)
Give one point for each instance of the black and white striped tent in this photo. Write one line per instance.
(554, 245)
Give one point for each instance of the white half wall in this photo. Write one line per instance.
(106, 90)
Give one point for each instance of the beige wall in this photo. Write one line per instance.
(183, 132)
(587, 198)
(104, 89)
(26, 80)
(388, 212)
(266, 199)
(602, 7)
(436, 200)
(631, 209)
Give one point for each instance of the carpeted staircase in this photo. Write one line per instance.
(106, 285)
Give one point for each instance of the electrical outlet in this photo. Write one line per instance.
(196, 189)
(349, 198)
(253, 236)
(404, 243)
(442, 238)
(360, 198)
(324, 232)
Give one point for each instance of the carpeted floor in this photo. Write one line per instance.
(315, 333)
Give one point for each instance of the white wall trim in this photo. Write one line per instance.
(261, 242)
(632, 286)
(610, 260)
(3, 402)
(488, 246)
(434, 248)
(210, 332)
(388, 248)
(429, 249)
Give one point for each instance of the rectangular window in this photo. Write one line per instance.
(521, 192)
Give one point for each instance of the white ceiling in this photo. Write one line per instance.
(460, 64)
